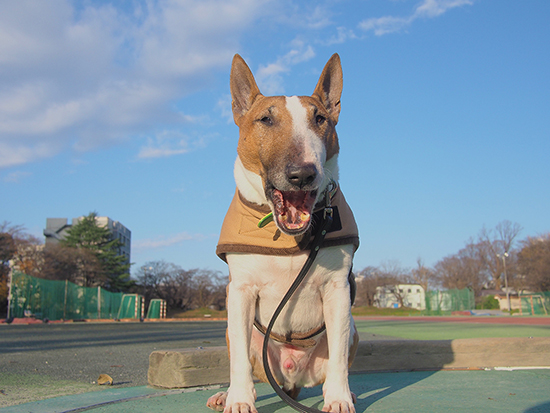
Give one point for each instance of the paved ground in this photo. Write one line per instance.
(47, 360)
(43, 361)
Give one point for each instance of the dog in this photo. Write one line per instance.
(286, 170)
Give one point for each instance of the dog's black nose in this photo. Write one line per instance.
(301, 175)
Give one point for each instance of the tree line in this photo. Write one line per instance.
(88, 257)
(182, 289)
(489, 261)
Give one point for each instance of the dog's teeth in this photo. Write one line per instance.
(304, 216)
(284, 218)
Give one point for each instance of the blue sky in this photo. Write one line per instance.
(123, 108)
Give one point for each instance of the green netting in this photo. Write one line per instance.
(132, 306)
(447, 301)
(60, 300)
(535, 304)
(157, 308)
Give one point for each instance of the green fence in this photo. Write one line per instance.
(60, 300)
(447, 301)
(535, 303)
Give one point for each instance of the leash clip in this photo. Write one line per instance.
(328, 195)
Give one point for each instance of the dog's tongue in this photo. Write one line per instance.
(293, 208)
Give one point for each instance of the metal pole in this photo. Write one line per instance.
(65, 301)
(98, 302)
(10, 281)
(506, 282)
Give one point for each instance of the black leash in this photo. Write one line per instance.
(315, 246)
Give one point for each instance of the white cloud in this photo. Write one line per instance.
(160, 147)
(16, 177)
(169, 143)
(269, 76)
(166, 241)
(91, 77)
(426, 9)
(343, 34)
(12, 154)
(224, 106)
(85, 75)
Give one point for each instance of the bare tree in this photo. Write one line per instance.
(389, 274)
(393, 275)
(367, 280)
(209, 289)
(534, 262)
(496, 245)
(422, 275)
(15, 248)
(178, 291)
(465, 269)
(153, 277)
(76, 265)
(182, 289)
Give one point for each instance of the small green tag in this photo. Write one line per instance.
(265, 220)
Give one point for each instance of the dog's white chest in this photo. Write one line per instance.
(271, 276)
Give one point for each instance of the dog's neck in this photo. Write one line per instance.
(251, 186)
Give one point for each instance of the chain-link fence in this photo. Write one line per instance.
(60, 300)
(446, 301)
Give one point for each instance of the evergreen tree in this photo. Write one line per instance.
(99, 241)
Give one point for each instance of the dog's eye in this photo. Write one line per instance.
(266, 120)
(320, 119)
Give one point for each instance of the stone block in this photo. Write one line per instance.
(188, 367)
(210, 365)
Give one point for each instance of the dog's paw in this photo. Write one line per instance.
(339, 406)
(217, 401)
(240, 408)
(227, 403)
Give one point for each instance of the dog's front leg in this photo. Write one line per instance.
(336, 309)
(240, 397)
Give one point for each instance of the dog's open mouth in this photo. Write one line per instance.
(293, 209)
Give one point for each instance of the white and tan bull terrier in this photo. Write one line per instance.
(287, 164)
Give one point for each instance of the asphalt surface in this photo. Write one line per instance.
(47, 360)
(41, 361)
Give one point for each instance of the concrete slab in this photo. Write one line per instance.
(210, 365)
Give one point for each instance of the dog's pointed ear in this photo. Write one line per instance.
(329, 87)
(244, 90)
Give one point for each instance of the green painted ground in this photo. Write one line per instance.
(432, 330)
(413, 392)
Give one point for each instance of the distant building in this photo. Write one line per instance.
(515, 301)
(401, 295)
(56, 230)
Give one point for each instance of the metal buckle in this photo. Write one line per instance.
(328, 209)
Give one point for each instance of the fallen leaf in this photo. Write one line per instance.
(105, 379)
